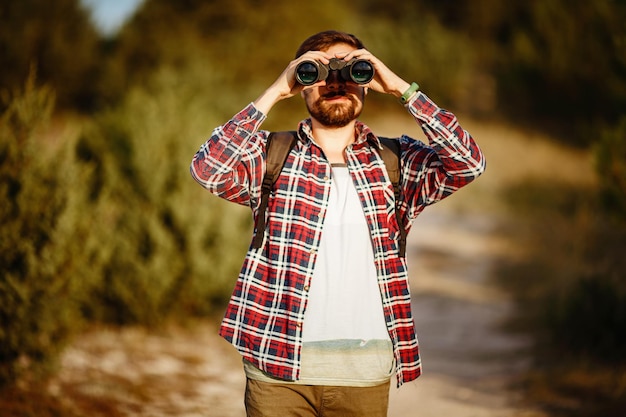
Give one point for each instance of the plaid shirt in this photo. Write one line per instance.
(264, 317)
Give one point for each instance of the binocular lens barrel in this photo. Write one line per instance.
(307, 73)
(359, 71)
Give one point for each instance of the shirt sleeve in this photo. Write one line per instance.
(230, 163)
(451, 160)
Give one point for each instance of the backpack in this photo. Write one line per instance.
(279, 144)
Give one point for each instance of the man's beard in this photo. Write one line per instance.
(335, 114)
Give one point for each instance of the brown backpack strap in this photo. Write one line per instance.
(391, 157)
(278, 146)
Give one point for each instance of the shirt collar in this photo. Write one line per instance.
(363, 133)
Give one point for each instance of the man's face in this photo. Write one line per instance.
(338, 102)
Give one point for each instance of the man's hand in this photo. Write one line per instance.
(384, 81)
(286, 85)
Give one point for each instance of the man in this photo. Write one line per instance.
(321, 310)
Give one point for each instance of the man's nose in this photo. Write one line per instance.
(334, 78)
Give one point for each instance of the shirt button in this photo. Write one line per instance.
(325, 177)
(306, 288)
(299, 325)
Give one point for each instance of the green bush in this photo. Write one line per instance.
(571, 282)
(587, 319)
(39, 251)
(570, 289)
(161, 247)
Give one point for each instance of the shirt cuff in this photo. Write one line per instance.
(249, 115)
(421, 107)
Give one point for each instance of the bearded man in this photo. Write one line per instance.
(321, 311)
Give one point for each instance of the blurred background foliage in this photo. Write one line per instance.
(102, 224)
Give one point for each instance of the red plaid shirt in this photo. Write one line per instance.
(264, 317)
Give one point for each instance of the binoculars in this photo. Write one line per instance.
(360, 71)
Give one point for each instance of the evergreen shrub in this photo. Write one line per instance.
(39, 254)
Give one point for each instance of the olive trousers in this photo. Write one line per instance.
(263, 399)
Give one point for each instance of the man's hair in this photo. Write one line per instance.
(324, 40)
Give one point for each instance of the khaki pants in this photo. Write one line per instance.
(264, 399)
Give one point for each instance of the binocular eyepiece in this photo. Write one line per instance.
(360, 71)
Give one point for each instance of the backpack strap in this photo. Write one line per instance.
(391, 157)
(278, 146)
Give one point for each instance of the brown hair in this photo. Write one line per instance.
(324, 40)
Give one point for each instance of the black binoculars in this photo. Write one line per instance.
(360, 71)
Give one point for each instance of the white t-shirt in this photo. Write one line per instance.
(345, 338)
(344, 298)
